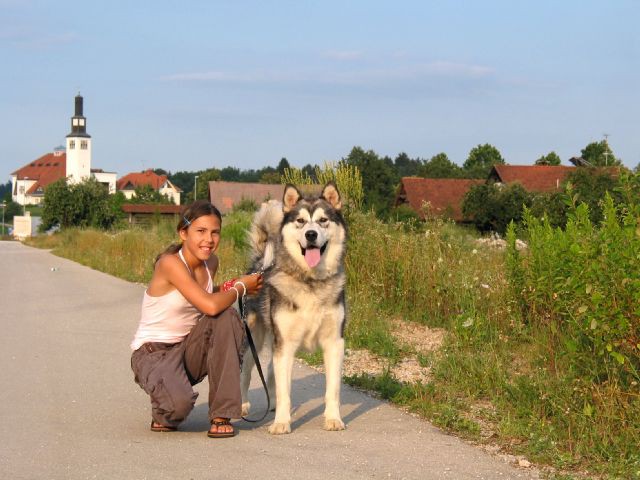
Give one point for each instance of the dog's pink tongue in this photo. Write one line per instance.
(312, 256)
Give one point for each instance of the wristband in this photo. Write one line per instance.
(237, 293)
(226, 286)
(244, 287)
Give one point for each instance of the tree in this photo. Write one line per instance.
(599, 154)
(161, 171)
(492, 207)
(378, 179)
(439, 166)
(550, 158)
(480, 161)
(145, 194)
(589, 185)
(230, 174)
(310, 170)
(5, 191)
(405, 166)
(211, 175)
(270, 177)
(282, 165)
(184, 181)
(84, 204)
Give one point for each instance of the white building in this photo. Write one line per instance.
(160, 183)
(29, 182)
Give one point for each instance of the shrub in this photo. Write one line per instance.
(584, 282)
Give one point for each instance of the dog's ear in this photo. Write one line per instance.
(290, 198)
(331, 194)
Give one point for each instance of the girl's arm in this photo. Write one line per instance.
(174, 272)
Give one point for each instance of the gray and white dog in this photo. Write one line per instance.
(300, 244)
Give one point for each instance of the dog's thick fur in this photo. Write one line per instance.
(300, 244)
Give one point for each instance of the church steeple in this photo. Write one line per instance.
(78, 121)
(78, 146)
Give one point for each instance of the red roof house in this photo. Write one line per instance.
(444, 195)
(38, 174)
(224, 195)
(533, 178)
(160, 183)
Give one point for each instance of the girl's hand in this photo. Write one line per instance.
(253, 283)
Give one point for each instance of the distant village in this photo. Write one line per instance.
(74, 162)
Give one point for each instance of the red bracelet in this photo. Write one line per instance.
(226, 286)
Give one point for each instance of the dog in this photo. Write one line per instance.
(300, 245)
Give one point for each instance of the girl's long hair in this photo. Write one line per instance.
(197, 209)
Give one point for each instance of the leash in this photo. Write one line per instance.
(254, 352)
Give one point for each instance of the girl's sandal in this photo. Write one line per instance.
(156, 427)
(221, 423)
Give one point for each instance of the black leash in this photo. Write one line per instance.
(254, 352)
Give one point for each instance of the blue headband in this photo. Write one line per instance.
(186, 221)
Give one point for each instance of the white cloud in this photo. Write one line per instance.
(380, 76)
(342, 54)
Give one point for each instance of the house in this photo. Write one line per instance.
(224, 195)
(444, 195)
(160, 183)
(533, 178)
(73, 163)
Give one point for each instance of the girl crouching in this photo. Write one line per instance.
(188, 329)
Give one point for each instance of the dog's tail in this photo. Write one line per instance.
(264, 233)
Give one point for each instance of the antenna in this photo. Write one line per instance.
(606, 152)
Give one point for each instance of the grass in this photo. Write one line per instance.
(436, 275)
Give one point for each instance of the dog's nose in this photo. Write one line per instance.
(311, 235)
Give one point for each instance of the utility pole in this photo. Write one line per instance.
(3, 205)
(195, 188)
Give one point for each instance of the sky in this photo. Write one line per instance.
(202, 84)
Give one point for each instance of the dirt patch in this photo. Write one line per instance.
(420, 338)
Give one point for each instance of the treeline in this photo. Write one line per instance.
(488, 208)
(381, 174)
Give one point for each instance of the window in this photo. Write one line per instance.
(72, 144)
(83, 144)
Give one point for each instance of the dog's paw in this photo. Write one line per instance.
(246, 406)
(278, 428)
(333, 424)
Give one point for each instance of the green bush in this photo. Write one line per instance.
(584, 281)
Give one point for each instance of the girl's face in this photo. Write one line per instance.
(202, 237)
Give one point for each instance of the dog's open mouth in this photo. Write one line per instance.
(312, 255)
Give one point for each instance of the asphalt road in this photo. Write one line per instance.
(70, 408)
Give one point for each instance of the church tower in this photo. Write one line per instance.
(78, 146)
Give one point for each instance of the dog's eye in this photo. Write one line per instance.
(300, 221)
(323, 220)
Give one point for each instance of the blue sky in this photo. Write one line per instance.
(194, 85)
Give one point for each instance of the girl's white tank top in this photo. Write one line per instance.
(167, 318)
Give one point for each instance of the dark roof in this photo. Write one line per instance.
(224, 195)
(445, 195)
(146, 208)
(534, 178)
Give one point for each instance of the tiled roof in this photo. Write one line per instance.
(148, 177)
(224, 195)
(45, 170)
(534, 178)
(444, 194)
(145, 208)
